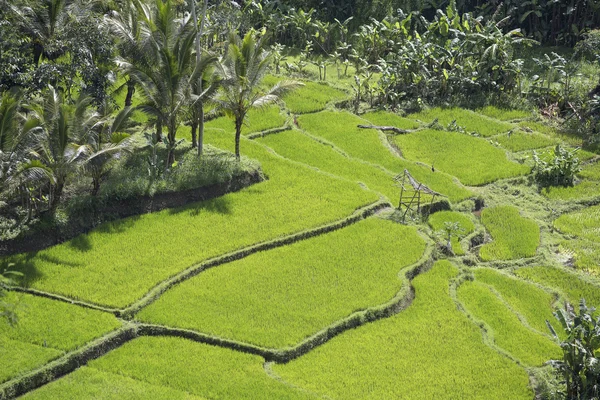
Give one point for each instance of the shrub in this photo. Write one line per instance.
(557, 168)
(580, 366)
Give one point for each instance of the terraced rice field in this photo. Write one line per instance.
(306, 285)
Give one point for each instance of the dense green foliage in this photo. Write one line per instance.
(394, 358)
(513, 236)
(579, 365)
(558, 168)
(310, 285)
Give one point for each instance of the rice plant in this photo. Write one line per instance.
(467, 119)
(399, 357)
(474, 161)
(438, 221)
(504, 114)
(278, 298)
(521, 140)
(513, 236)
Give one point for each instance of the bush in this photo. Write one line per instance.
(557, 168)
(580, 366)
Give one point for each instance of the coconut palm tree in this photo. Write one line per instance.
(44, 25)
(57, 125)
(243, 68)
(164, 69)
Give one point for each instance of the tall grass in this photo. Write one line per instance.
(529, 347)
(18, 357)
(386, 118)
(120, 261)
(257, 120)
(199, 369)
(428, 351)
(278, 298)
(467, 119)
(340, 128)
(513, 235)
(474, 161)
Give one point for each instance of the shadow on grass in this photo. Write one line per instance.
(219, 205)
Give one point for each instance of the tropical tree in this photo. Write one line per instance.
(580, 365)
(163, 69)
(44, 23)
(57, 125)
(243, 67)
(105, 140)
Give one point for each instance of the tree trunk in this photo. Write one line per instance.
(238, 134)
(57, 190)
(159, 130)
(172, 131)
(194, 131)
(130, 92)
(201, 129)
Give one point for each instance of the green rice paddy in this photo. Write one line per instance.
(513, 236)
(398, 357)
(278, 298)
(474, 161)
(471, 121)
(448, 332)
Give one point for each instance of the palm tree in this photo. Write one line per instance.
(18, 172)
(125, 26)
(44, 25)
(243, 68)
(104, 141)
(57, 125)
(163, 69)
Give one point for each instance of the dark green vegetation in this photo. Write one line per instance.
(305, 284)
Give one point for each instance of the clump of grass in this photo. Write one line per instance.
(513, 235)
(535, 305)
(340, 128)
(174, 368)
(583, 224)
(400, 356)
(504, 114)
(120, 261)
(467, 119)
(45, 330)
(386, 118)
(438, 220)
(508, 333)
(520, 141)
(474, 161)
(572, 286)
(292, 292)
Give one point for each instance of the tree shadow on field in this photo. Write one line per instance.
(220, 205)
